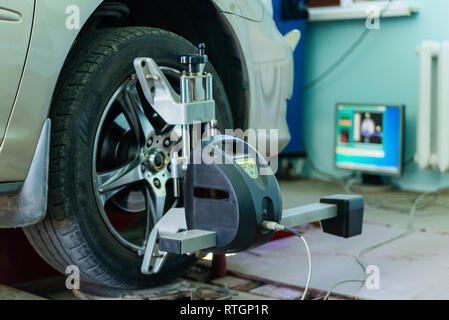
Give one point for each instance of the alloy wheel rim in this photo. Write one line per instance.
(136, 164)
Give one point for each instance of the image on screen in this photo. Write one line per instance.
(369, 138)
(369, 127)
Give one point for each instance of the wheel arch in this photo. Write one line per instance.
(197, 21)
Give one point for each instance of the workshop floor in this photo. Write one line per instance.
(412, 267)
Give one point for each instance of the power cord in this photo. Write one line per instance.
(326, 174)
(345, 55)
(378, 203)
(274, 226)
(271, 225)
(364, 251)
(330, 177)
(247, 18)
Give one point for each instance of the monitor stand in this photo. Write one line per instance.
(373, 183)
(372, 180)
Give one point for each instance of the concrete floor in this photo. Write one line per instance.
(413, 267)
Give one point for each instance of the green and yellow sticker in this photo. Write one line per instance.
(248, 165)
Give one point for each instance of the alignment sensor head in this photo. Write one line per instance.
(230, 189)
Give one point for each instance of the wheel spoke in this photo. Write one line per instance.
(117, 179)
(105, 196)
(133, 110)
(158, 199)
(150, 221)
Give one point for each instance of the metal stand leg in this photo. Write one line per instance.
(219, 266)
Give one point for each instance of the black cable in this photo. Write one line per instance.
(296, 233)
(243, 17)
(345, 55)
(246, 18)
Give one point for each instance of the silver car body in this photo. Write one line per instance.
(35, 42)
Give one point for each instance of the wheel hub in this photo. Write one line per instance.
(156, 160)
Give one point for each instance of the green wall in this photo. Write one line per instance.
(384, 69)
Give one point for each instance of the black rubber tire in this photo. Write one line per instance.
(73, 232)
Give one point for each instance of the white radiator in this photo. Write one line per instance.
(432, 136)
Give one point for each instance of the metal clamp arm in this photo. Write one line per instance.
(188, 241)
(341, 215)
(308, 213)
(173, 108)
(171, 223)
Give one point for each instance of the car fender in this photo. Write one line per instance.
(51, 41)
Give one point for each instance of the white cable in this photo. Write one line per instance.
(339, 283)
(364, 251)
(309, 277)
(271, 225)
(407, 232)
(309, 257)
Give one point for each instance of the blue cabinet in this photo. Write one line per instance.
(287, 17)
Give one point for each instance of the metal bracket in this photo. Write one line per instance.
(171, 223)
(170, 235)
(190, 107)
(197, 240)
(186, 242)
(195, 104)
(344, 212)
(309, 213)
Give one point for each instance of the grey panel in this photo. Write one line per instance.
(10, 188)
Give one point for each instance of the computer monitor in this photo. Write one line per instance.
(369, 138)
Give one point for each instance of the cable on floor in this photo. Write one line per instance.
(271, 225)
(379, 203)
(364, 251)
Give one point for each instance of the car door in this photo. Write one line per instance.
(16, 19)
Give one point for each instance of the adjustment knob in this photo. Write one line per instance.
(193, 62)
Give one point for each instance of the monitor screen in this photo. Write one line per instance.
(369, 138)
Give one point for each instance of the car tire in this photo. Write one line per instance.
(73, 232)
